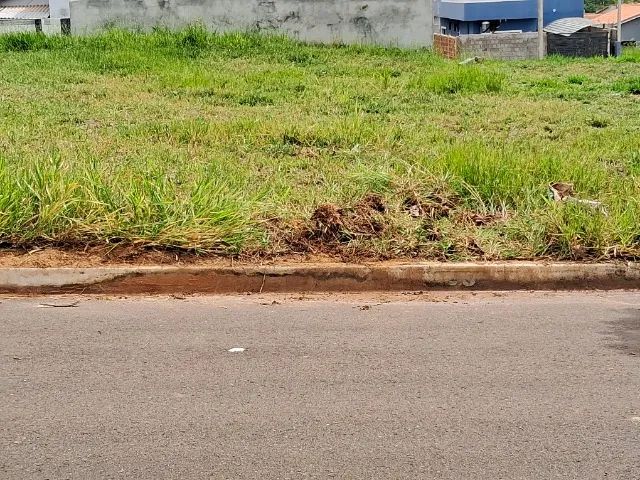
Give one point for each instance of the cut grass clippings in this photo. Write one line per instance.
(241, 144)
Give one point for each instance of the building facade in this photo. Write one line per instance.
(467, 17)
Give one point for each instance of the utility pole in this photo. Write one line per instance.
(619, 31)
(541, 29)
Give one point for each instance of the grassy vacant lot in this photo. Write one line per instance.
(241, 144)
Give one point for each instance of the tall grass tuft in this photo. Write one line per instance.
(52, 201)
(465, 79)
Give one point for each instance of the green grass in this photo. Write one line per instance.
(229, 144)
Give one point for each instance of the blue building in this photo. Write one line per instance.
(463, 17)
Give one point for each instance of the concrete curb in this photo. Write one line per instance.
(320, 278)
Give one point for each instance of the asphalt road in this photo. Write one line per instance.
(519, 386)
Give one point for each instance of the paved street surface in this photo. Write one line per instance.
(504, 386)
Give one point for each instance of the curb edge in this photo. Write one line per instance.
(320, 278)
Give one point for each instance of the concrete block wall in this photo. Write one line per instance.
(580, 44)
(406, 23)
(48, 26)
(503, 46)
(17, 26)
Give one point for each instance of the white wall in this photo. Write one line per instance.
(386, 22)
(631, 31)
(59, 8)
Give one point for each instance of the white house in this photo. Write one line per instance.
(33, 15)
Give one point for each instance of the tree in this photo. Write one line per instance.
(595, 5)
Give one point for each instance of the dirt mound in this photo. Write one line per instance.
(332, 227)
(328, 222)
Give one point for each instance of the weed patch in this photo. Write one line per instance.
(631, 86)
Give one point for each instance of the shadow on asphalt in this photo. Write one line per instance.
(625, 333)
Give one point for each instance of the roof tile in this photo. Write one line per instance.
(630, 11)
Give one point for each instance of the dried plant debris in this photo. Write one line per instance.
(433, 206)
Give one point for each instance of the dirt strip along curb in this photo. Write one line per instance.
(320, 278)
